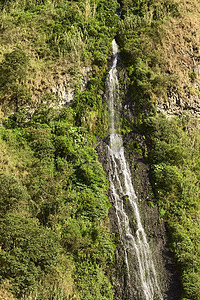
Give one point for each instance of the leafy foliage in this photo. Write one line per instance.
(174, 155)
(52, 188)
(13, 70)
(54, 207)
(173, 143)
(27, 251)
(141, 34)
(13, 195)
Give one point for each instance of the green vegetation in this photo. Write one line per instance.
(13, 89)
(141, 32)
(55, 241)
(54, 237)
(76, 29)
(91, 110)
(174, 156)
(173, 143)
(53, 207)
(50, 41)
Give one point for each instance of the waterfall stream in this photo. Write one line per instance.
(140, 270)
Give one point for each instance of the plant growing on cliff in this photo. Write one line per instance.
(173, 143)
(57, 189)
(173, 153)
(13, 70)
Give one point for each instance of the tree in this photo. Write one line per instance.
(28, 251)
(13, 71)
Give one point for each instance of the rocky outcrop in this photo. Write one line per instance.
(180, 49)
(64, 92)
(64, 88)
(153, 224)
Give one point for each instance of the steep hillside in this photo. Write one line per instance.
(180, 49)
(160, 46)
(55, 239)
(58, 42)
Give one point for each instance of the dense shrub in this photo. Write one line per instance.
(56, 208)
(27, 252)
(174, 155)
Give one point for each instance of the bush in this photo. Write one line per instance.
(175, 170)
(27, 252)
(13, 195)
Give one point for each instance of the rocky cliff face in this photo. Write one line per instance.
(153, 224)
(181, 51)
(61, 84)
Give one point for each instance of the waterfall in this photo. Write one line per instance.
(138, 260)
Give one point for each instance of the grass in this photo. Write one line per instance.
(179, 47)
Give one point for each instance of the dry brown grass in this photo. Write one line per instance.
(5, 294)
(180, 50)
(44, 72)
(181, 46)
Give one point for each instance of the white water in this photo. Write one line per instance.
(133, 241)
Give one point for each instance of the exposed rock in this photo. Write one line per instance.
(64, 88)
(64, 92)
(181, 52)
(153, 224)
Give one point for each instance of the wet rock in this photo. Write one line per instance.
(153, 224)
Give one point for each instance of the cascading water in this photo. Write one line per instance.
(137, 255)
